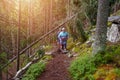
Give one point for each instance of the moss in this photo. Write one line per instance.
(70, 44)
(76, 49)
(113, 54)
(106, 72)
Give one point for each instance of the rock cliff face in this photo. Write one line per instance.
(113, 33)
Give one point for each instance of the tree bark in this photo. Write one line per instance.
(18, 37)
(0, 74)
(0, 39)
(0, 52)
(99, 44)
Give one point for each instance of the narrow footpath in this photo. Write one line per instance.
(57, 68)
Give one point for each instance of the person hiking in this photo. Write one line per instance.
(63, 37)
(58, 40)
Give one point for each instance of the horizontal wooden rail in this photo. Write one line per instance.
(33, 43)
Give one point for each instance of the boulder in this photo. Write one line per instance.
(114, 19)
(113, 34)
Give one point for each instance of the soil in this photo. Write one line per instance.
(57, 68)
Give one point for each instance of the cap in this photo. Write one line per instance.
(63, 28)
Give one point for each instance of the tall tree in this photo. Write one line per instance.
(101, 30)
(0, 52)
(0, 74)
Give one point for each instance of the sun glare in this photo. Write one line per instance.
(25, 2)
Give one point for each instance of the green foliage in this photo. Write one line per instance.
(70, 44)
(102, 65)
(85, 50)
(23, 43)
(3, 58)
(88, 9)
(3, 55)
(83, 68)
(117, 71)
(24, 59)
(73, 33)
(34, 71)
(40, 53)
(79, 26)
(113, 54)
(82, 49)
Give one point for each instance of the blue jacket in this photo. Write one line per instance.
(63, 36)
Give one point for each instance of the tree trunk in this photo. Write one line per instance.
(0, 74)
(13, 43)
(101, 30)
(0, 39)
(0, 52)
(68, 10)
(18, 37)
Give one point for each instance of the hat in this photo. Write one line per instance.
(63, 28)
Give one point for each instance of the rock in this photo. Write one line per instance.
(70, 55)
(79, 43)
(113, 34)
(17, 79)
(48, 53)
(91, 38)
(114, 19)
(75, 55)
(89, 43)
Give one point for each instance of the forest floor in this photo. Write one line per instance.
(57, 68)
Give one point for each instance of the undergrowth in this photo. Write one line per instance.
(34, 71)
(105, 66)
(82, 68)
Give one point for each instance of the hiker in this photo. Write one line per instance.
(63, 37)
(58, 40)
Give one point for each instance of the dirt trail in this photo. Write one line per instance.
(57, 68)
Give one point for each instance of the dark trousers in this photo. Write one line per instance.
(64, 46)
